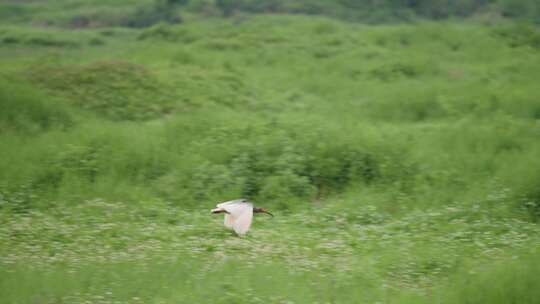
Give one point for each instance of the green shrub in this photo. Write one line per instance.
(25, 109)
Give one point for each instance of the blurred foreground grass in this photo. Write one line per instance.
(114, 253)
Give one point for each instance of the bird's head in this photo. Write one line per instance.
(262, 210)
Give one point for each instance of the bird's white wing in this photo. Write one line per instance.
(229, 221)
(243, 222)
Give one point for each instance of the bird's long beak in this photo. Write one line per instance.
(268, 213)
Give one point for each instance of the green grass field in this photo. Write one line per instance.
(402, 161)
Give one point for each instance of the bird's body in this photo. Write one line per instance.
(238, 214)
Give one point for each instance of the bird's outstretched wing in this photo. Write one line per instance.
(229, 221)
(243, 222)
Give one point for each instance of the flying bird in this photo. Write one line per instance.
(238, 214)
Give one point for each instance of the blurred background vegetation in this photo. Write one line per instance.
(131, 13)
(398, 143)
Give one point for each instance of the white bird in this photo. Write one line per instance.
(238, 214)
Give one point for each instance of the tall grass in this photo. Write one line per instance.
(505, 282)
(25, 109)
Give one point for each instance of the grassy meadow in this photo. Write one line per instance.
(401, 161)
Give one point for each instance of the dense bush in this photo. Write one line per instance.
(519, 35)
(254, 162)
(25, 109)
(160, 11)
